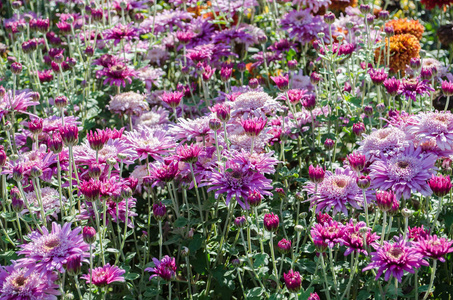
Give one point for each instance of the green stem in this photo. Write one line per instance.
(431, 281)
(271, 245)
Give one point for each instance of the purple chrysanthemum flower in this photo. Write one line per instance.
(302, 25)
(236, 180)
(260, 162)
(329, 233)
(386, 141)
(336, 191)
(148, 141)
(103, 276)
(353, 239)
(151, 76)
(50, 201)
(394, 259)
(410, 88)
(165, 20)
(417, 233)
(433, 125)
(25, 284)
(48, 251)
(434, 247)
(165, 268)
(404, 173)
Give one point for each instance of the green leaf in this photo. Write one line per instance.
(195, 243)
(181, 222)
(260, 259)
(131, 276)
(255, 292)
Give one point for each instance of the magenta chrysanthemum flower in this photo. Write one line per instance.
(103, 276)
(329, 233)
(236, 180)
(25, 284)
(292, 281)
(148, 141)
(404, 173)
(386, 141)
(440, 185)
(394, 259)
(336, 191)
(120, 32)
(48, 251)
(434, 247)
(433, 125)
(417, 233)
(164, 172)
(117, 74)
(410, 88)
(165, 268)
(353, 239)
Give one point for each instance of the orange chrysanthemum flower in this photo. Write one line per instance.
(339, 5)
(403, 26)
(430, 4)
(403, 47)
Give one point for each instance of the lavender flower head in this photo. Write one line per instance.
(302, 25)
(236, 180)
(383, 142)
(433, 125)
(22, 284)
(336, 191)
(48, 251)
(404, 173)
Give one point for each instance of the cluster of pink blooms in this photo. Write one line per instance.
(193, 113)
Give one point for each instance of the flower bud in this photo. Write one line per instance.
(89, 234)
(74, 265)
(271, 222)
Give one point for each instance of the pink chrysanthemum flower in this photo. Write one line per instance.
(23, 284)
(165, 268)
(117, 74)
(336, 191)
(258, 104)
(147, 141)
(103, 276)
(151, 76)
(84, 155)
(433, 125)
(48, 251)
(404, 173)
(156, 117)
(329, 233)
(236, 180)
(129, 103)
(187, 129)
(394, 259)
(386, 141)
(120, 32)
(164, 172)
(434, 247)
(353, 238)
(20, 103)
(41, 159)
(50, 201)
